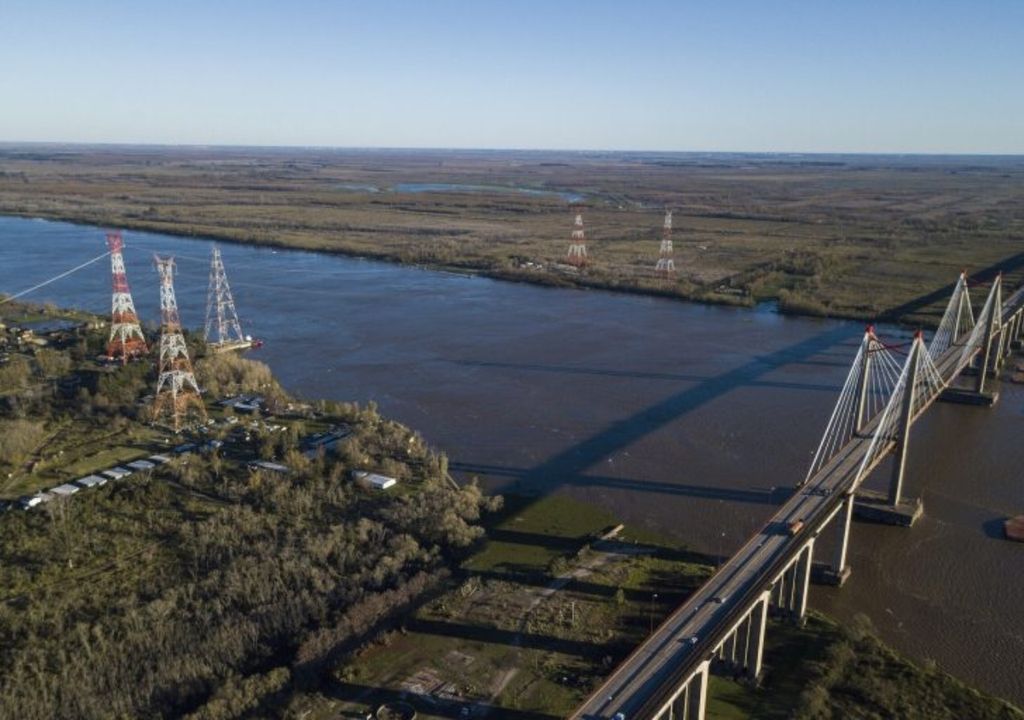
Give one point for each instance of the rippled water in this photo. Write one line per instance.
(684, 419)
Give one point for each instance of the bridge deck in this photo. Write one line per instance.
(646, 679)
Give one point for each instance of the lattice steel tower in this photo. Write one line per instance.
(577, 254)
(666, 265)
(220, 306)
(126, 338)
(177, 393)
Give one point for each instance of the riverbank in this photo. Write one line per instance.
(860, 238)
(544, 597)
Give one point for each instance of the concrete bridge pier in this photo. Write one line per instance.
(757, 624)
(690, 703)
(697, 693)
(1014, 332)
(802, 586)
(839, 571)
(779, 594)
(1002, 350)
(789, 590)
(742, 647)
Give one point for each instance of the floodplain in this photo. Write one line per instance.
(856, 236)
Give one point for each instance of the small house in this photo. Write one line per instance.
(375, 480)
(65, 490)
(91, 481)
(117, 473)
(141, 465)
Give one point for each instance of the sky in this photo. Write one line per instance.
(902, 76)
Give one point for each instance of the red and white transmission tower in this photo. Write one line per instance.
(577, 254)
(220, 307)
(666, 265)
(126, 338)
(177, 393)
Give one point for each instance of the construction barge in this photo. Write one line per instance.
(247, 343)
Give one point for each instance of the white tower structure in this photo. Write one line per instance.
(577, 254)
(220, 307)
(666, 265)
(177, 393)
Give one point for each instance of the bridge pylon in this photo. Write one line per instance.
(992, 316)
(869, 385)
(899, 465)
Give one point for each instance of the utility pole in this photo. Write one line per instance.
(220, 306)
(577, 254)
(126, 339)
(177, 393)
(666, 265)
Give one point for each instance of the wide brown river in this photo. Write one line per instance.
(689, 420)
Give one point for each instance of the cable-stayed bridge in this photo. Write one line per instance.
(723, 623)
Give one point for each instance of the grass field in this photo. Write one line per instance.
(855, 236)
(499, 645)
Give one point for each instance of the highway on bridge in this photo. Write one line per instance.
(645, 681)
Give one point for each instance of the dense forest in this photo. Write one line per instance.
(203, 588)
(206, 606)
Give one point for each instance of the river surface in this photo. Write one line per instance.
(683, 419)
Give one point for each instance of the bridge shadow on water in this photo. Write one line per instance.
(523, 477)
(646, 375)
(568, 468)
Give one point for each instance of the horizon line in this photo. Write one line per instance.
(441, 148)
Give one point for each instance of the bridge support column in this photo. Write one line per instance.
(839, 572)
(803, 581)
(1013, 333)
(755, 645)
(677, 710)
(779, 591)
(899, 462)
(1001, 351)
(697, 693)
(985, 356)
(790, 596)
(743, 641)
